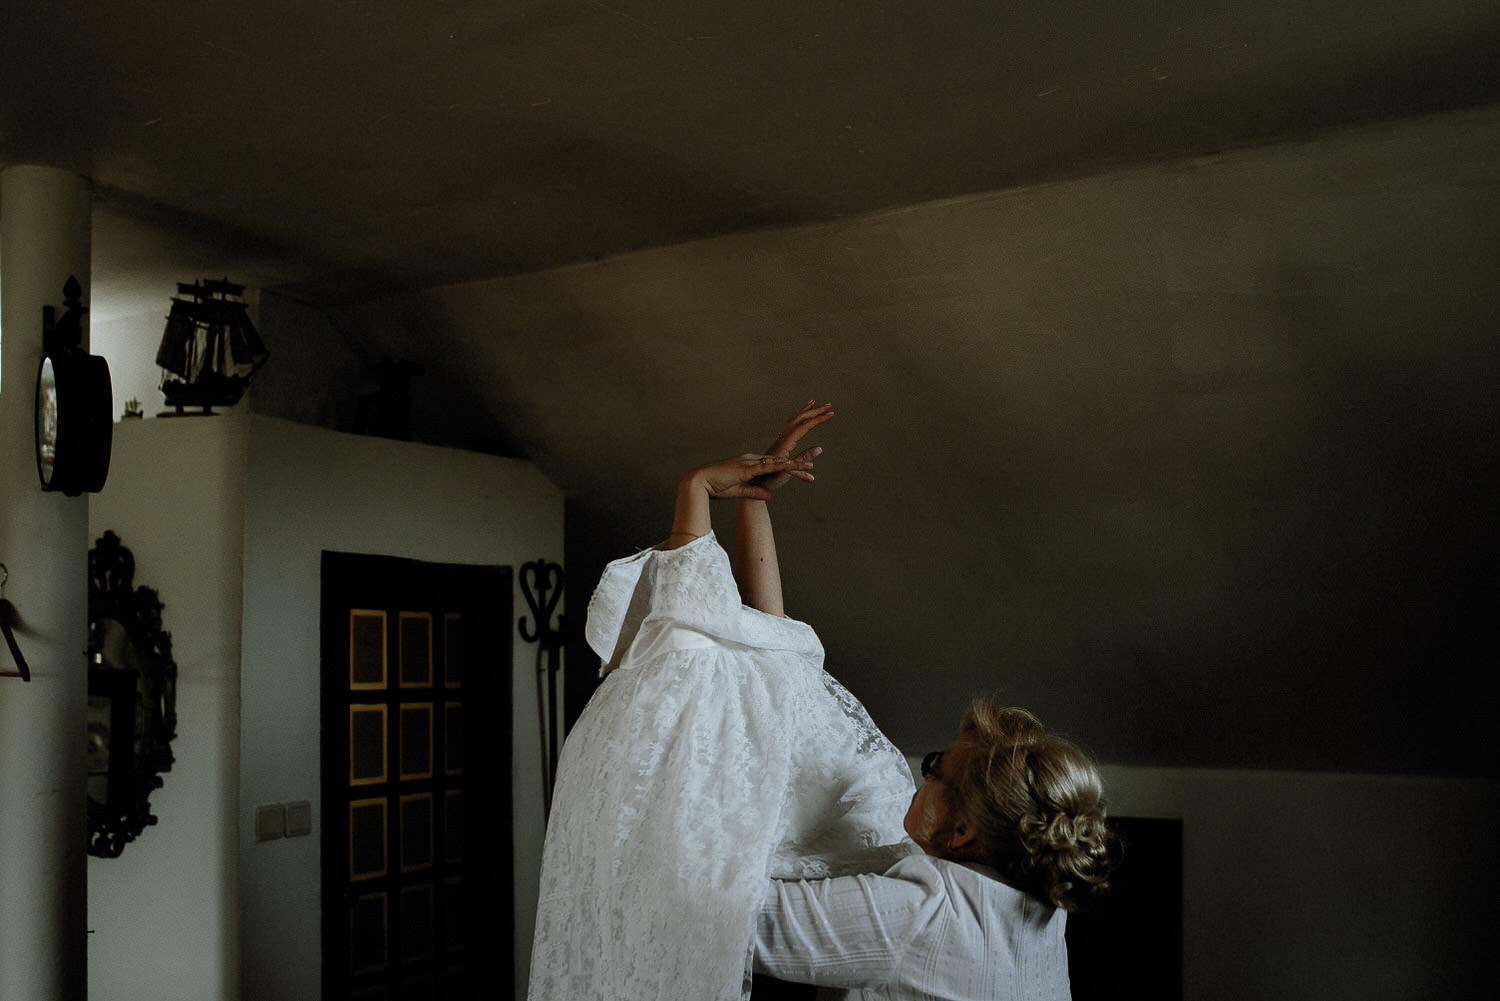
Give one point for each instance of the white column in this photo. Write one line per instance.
(44, 238)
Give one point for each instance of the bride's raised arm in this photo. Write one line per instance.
(749, 478)
(756, 569)
(728, 478)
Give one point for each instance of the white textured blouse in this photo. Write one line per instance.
(926, 929)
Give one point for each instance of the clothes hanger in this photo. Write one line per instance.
(9, 618)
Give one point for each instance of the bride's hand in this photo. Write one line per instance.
(792, 432)
(744, 476)
(747, 477)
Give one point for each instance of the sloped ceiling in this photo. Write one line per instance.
(419, 143)
(345, 149)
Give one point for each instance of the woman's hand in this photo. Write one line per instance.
(792, 432)
(748, 476)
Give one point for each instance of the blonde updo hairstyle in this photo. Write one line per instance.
(1036, 805)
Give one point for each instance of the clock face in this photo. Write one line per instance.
(73, 422)
(46, 421)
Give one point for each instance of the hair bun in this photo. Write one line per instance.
(1068, 854)
(1037, 803)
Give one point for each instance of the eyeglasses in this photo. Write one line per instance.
(931, 763)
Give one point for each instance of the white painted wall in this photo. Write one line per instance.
(228, 517)
(1300, 885)
(309, 490)
(1199, 450)
(165, 915)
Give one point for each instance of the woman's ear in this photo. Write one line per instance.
(960, 841)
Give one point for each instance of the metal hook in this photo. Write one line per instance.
(542, 586)
(8, 620)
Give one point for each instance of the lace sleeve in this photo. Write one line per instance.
(658, 600)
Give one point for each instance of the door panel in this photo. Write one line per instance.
(417, 897)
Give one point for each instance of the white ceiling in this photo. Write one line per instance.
(417, 142)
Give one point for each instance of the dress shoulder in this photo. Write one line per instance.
(645, 604)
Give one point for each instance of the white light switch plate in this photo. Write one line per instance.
(270, 822)
(298, 818)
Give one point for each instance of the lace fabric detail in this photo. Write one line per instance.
(716, 753)
(690, 587)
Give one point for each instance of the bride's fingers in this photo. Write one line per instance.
(811, 412)
(773, 466)
(798, 426)
(759, 465)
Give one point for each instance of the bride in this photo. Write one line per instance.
(717, 752)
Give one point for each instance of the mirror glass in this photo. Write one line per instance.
(98, 753)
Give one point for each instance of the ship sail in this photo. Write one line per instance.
(209, 350)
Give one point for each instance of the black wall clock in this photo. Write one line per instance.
(74, 404)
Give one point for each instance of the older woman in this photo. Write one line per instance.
(1011, 823)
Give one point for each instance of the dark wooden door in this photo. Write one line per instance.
(417, 899)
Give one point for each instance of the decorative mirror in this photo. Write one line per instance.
(132, 715)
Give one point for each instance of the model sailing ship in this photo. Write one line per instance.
(210, 350)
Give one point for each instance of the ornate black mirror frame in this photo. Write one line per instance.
(132, 699)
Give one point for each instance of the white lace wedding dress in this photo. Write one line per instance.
(716, 753)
